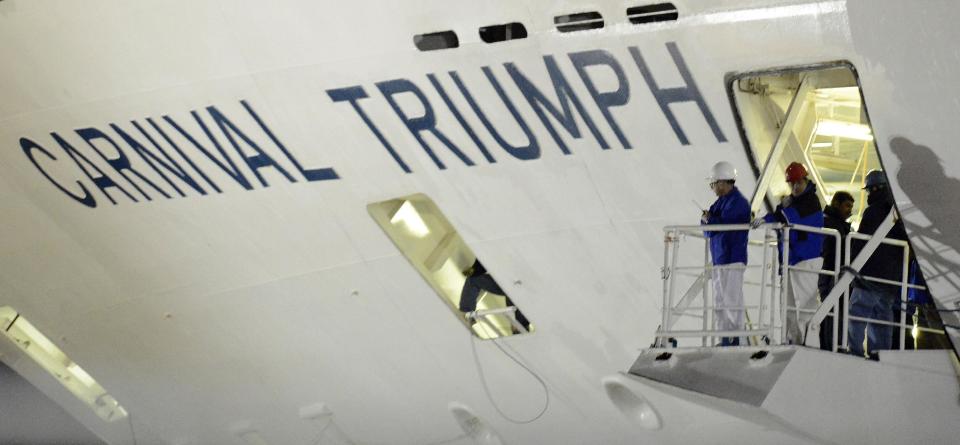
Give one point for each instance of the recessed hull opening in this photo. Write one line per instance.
(632, 404)
(434, 248)
(817, 116)
(820, 115)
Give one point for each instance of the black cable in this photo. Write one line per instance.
(15, 318)
(486, 389)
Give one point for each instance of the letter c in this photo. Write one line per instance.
(29, 146)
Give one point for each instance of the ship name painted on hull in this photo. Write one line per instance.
(225, 144)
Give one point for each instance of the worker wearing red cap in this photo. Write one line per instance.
(801, 206)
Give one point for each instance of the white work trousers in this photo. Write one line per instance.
(728, 298)
(802, 293)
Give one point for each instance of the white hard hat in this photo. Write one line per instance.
(722, 171)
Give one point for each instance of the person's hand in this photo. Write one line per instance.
(757, 222)
(705, 217)
(786, 201)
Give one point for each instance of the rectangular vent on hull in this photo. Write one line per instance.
(502, 33)
(436, 40)
(660, 12)
(580, 21)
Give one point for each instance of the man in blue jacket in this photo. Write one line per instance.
(801, 206)
(728, 250)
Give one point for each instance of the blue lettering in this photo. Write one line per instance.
(101, 180)
(120, 163)
(182, 154)
(232, 170)
(255, 162)
(459, 116)
(153, 160)
(29, 146)
(354, 94)
(527, 152)
(565, 95)
(416, 125)
(688, 93)
(316, 174)
(581, 60)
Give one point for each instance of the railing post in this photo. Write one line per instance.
(673, 279)
(763, 280)
(770, 236)
(903, 295)
(667, 276)
(846, 299)
(785, 284)
(834, 339)
(708, 278)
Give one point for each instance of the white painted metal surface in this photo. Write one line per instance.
(200, 313)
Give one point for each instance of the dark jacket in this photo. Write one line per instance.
(887, 261)
(833, 220)
(729, 247)
(803, 209)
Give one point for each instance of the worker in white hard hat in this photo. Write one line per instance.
(728, 250)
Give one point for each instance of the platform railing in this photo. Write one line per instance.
(773, 286)
(904, 285)
(509, 312)
(675, 309)
(785, 287)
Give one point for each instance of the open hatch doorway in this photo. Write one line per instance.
(434, 248)
(814, 115)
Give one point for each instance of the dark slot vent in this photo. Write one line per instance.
(660, 12)
(501, 33)
(578, 22)
(436, 40)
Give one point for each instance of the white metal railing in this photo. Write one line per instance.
(904, 285)
(675, 309)
(773, 287)
(835, 273)
(509, 312)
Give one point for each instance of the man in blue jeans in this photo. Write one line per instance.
(870, 299)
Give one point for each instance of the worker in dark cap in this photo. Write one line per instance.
(878, 301)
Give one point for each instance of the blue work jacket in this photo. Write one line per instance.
(804, 209)
(729, 247)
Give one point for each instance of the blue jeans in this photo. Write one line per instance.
(876, 304)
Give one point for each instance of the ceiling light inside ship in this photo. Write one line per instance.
(829, 127)
(408, 217)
